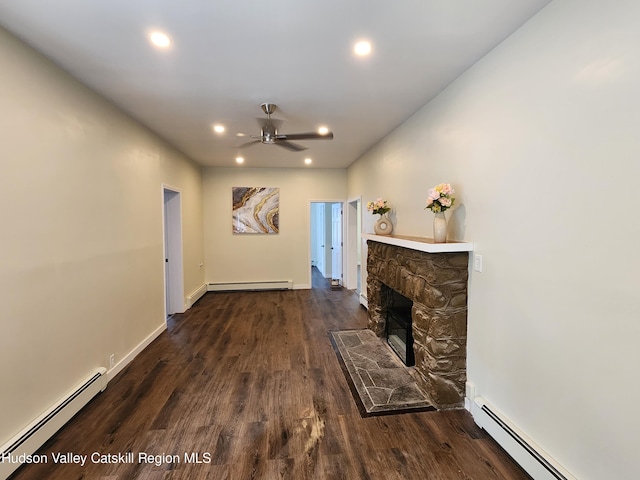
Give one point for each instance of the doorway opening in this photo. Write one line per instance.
(173, 269)
(326, 244)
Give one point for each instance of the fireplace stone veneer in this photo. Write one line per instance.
(437, 285)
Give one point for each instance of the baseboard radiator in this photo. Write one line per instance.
(24, 445)
(363, 301)
(237, 286)
(196, 295)
(535, 461)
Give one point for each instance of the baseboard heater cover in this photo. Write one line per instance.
(235, 286)
(535, 461)
(364, 301)
(32, 437)
(196, 295)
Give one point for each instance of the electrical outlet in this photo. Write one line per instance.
(477, 262)
(112, 360)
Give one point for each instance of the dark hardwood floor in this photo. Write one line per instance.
(250, 382)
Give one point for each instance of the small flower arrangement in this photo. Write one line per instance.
(440, 198)
(379, 207)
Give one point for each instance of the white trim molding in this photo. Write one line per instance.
(126, 360)
(237, 286)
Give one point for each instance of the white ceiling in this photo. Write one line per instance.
(229, 56)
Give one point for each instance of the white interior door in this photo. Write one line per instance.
(173, 269)
(319, 234)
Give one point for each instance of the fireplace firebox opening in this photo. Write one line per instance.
(398, 326)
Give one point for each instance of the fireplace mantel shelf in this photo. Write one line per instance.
(420, 243)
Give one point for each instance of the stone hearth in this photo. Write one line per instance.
(437, 285)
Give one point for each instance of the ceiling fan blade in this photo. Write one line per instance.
(306, 136)
(248, 144)
(294, 147)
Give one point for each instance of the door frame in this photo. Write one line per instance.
(337, 235)
(317, 235)
(172, 250)
(353, 244)
(342, 202)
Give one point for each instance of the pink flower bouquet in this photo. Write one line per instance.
(440, 198)
(378, 207)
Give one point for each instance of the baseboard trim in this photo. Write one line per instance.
(126, 360)
(237, 286)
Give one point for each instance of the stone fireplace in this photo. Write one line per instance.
(434, 277)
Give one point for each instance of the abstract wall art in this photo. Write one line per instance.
(256, 210)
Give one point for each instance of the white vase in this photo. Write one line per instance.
(440, 228)
(383, 225)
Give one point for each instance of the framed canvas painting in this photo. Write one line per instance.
(256, 210)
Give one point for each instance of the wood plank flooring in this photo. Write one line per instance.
(249, 382)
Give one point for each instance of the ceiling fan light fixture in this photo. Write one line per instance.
(308, 161)
(218, 128)
(239, 160)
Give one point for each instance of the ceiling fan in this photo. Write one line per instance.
(269, 133)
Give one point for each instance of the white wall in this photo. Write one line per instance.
(540, 139)
(253, 257)
(81, 213)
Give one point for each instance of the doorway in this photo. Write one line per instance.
(173, 270)
(326, 244)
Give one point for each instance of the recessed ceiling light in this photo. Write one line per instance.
(323, 130)
(307, 161)
(160, 39)
(240, 134)
(239, 160)
(362, 48)
(218, 128)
